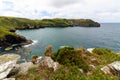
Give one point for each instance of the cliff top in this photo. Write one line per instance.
(8, 57)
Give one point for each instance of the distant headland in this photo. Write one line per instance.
(8, 26)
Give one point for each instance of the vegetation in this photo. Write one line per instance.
(63, 73)
(73, 57)
(8, 25)
(75, 65)
(105, 56)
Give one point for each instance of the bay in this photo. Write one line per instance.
(106, 36)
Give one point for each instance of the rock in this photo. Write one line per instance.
(47, 61)
(113, 68)
(81, 70)
(89, 73)
(23, 67)
(39, 59)
(7, 63)
(9, 79)
(106, 70)
(9, 40)
(92, 66)
(90, 49)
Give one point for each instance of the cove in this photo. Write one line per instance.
(106, 36)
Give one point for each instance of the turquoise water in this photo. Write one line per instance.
(106, 36)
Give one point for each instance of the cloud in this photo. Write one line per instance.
(98, 10)
(62, 3)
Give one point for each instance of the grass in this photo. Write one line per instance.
(69, 70)
(12, 23)
(105, 56)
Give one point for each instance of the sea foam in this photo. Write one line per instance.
(34, 42)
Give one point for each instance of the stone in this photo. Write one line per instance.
(39, 59)
(47, 61)
(106, 70)
(81, 70)
(9, 79)
(92, 66)
(90, 49)
(113, 68)
(7, 63)
(24, 67)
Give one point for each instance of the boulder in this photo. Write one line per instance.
(90, 49)
(24, 67)
(7, 63)
(48, 61)
(113, 68)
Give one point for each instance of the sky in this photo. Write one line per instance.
(98, 10)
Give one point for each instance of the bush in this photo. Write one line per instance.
(101, 51)
(68, 73)
(105, 56)
(73, 57)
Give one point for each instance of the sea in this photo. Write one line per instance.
(105, 36)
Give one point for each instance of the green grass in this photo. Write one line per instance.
(71, 61)
(105, 56)
(11, 23)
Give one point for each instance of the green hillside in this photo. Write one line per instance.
(8, 26)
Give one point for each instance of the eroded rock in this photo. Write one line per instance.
(47, 61)
(113, 68)
(24, 67)
(7, 63)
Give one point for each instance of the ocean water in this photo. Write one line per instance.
(106, 36)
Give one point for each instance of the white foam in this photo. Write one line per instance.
(34, 42)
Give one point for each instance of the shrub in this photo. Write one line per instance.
(101, 51)
(71, 56)
(105, 56)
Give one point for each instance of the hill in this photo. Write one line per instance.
(8, 26)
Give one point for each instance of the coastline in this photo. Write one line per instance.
(33, 42)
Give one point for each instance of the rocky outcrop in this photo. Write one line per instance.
(112, 69)
(12, 39)
(47, 61)
(7, 63)
(23, 67)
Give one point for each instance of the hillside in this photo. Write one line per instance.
(8, 26)
(69, 63)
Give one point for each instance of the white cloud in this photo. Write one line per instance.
(98, 10)
(62, 3)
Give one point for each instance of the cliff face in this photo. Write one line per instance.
(68, 22)
(84, 23)
(12, 39)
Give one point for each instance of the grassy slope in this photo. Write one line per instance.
(7, 23)
(69, 58)
(11, 23)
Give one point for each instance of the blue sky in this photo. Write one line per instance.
(98, 10)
